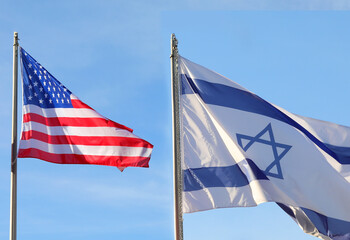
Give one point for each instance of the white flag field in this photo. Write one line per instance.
(239, 150)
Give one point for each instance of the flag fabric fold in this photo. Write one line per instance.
(59, 128)
(239, 150)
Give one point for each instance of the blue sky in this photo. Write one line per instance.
(114, 55)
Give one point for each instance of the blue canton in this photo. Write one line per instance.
(271, 142)
(40, 87)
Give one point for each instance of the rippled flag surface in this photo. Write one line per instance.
(240, 150)
(59, 128)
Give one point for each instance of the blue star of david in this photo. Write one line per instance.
(274, 145)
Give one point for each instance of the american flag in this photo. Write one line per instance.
(59, 128)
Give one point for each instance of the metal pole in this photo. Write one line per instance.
(13, 211)
(178, 231)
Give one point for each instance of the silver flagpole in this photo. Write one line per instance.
(13, 211)
(178, 231)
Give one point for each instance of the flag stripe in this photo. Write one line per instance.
(69, 121)
(217, 197)
(61, 112)
(229, 176)
(336, 135)
(325, 225)
(79, 104)
(79, 131)
(343, 153)
(81, 140)
(118, 161)
(85, 149)
(242, 100)
(223, 197)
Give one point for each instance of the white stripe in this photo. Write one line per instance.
(326, 132)
(256, 192)
(203, 145)
(77, 131)
(86, 150)
(62, 112)
(196, 71)
(218, 197)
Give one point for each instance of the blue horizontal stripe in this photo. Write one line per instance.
(230, 176)
(226, 96)
(343, 153)
(331, 227)
(328, 226)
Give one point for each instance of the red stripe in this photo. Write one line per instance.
(73, 122)
(117, 161)
(86, 140)
(79, 104)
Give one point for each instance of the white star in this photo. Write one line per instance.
(45, 71)
(35, 71)
(30, 77)
(30, 98)
(30, 65)
(41, 89)
(48, 88)
(46, 95)
(45, 77)
(54, 89)
(56, 100)
(65, 89)
(40, 71)
(62, 101)
(58, 95)
(41, 67)
(25, 54)
(64, 95)
(39, 76)
(50, 100)
(49, 76)
(41, 101)
(35, 94)
(50, 83)
(67, 100)
(35, 83)
(30, 87)
(44, 83)
(53, 95)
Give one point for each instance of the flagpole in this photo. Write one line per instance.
(178, 225)
(13, 207)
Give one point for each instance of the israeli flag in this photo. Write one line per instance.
(239, 150)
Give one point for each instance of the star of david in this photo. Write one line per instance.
(279, 150)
